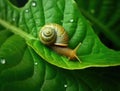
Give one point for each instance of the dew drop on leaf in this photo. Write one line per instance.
(34, 3)
(36, 63)
(65, 85)
(2, 61)
(71, 20)
(26, 10)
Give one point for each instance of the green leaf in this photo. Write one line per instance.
(104, 22)
(23, 65)
(48, 77)
(9, 52)
(92, 52)
(4, 34)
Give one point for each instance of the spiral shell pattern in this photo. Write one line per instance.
(53, 34)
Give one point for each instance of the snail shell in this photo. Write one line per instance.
(53, 34)
(56, 37)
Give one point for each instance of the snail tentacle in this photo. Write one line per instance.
(75, 50)
(56, 37)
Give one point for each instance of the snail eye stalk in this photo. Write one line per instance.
(55, 36)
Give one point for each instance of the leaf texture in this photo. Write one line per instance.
(92, 52)
(24, 63)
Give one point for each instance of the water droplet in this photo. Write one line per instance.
(65, 85)
(34, 3)
(92, 11)
(36, 63)
(26, 10)
(71, 20)
(2, 61)
(13, 19)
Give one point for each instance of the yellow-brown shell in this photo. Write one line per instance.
(53, 34)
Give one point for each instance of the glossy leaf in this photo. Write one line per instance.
(22, 67)
(92, 52)
(104, 16)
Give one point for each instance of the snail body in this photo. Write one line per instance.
(56, 37)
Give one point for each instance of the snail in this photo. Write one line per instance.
(55, 36)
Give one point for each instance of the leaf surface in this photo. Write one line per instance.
(92, 52)
(24, 61)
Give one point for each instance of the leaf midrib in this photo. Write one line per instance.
(16, 30)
